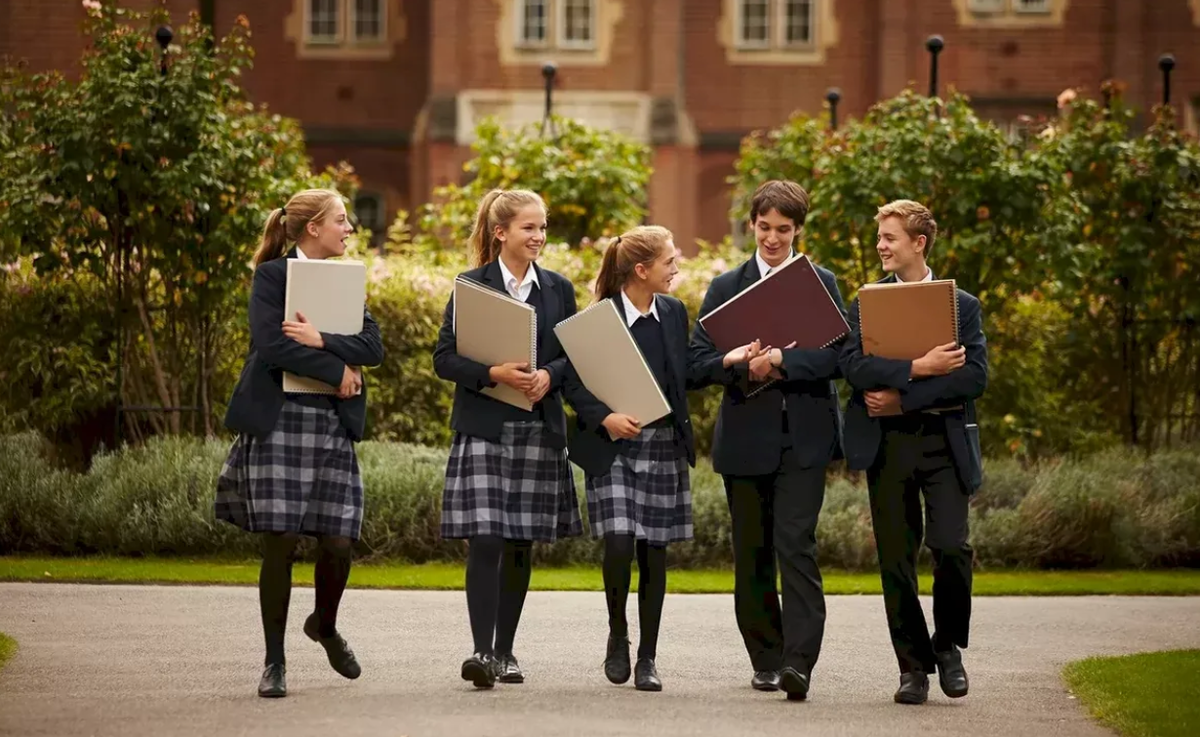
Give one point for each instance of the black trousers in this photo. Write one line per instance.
(914, 460)
(775, 516)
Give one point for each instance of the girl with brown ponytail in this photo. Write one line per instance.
(508, 481)
(292, 469)
(638, 487)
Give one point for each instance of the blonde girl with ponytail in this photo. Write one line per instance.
(508, 481)
(292, 470)
(637, 479)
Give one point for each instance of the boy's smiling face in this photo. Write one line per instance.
(774, 233)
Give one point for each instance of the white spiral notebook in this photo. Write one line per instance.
(610, 364)
(331, 294)
(493, 328)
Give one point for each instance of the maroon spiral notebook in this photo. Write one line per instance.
(790, 304)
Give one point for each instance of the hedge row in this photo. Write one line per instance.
(1113, 509)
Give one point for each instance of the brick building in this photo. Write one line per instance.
(395, 86)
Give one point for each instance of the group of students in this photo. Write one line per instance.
(292, 469)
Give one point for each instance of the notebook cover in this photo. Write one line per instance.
(610, 364)
(493, 328)
(331, 294)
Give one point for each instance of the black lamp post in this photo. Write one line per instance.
(549, 70)
(1166, 63)
(833, 96)
(934, 45)
(163, 35)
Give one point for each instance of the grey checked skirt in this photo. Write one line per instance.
(302, 478)
(646, 493)
(519, 488)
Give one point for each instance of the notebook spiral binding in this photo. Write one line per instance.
(767, 385)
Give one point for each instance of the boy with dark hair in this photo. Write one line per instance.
(772, 450)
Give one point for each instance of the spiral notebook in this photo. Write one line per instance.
(905, 321)
(791, 304)
(610, 364)
(331, 294)
(493, 328)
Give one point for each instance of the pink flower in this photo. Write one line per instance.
(1066, 97)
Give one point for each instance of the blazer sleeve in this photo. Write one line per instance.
(869, 373)
(965, 383)
(705, 361)
(362, 349)
(820, 364)
(450, 366)
(558, 367)
(275, 348)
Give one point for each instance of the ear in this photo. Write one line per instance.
(921, 241)
(311, 228)
(641, 271)
(499, 234)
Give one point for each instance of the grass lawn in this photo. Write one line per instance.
(8, 648)
(449, 576)
(1149, 695)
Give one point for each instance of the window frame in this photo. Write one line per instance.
(338, 37)
(352, 24)
(784, 24)
(1045, 8)
(739, 31)
(523, 41)
(988, 7)
(560, 26)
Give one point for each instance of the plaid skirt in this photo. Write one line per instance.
(302, 478)
(646, 493)
(519, 488)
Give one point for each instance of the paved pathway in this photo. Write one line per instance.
(165, 661)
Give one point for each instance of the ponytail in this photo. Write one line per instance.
(482, 245)
(274, 239)
(641, 245)
(611, 277)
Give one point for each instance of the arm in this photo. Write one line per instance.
(962, 384)
(705, 362)
(869, 372)
(362, 349)
(278, 350)
(802, 364)
(558, 367)
(448, 365)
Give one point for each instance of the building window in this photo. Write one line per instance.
(570, 23)
(1031, 6)
(369, 212)
(365, 20)
(1002, 7)
(776, 24)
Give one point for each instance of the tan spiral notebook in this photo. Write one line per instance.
(608, 361)
(331, 294)
(493, 328)
(905, 321)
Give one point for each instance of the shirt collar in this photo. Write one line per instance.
(300, 254)
(510, 280)
(763, 268)
(928, 276)
(632, 313)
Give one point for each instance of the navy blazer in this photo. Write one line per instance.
(476, 413)
(748, 441)
(962, 386)
(591, 447)
(258, 396)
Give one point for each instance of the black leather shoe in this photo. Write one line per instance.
(480, 670)
(273, 684)
(951, 674)
(507, 669)
(765, 680)
(914, 688)
(794, 683)
(341, 657)
(616, 660)
(645, 676)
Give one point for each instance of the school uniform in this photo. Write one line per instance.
(508, 473)
(772, 450)
(293, 468)
(932, 449)
(640, 486)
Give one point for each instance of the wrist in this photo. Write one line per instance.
(776, 357)
(918, 369)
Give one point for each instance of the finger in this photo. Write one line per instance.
(300, 317)
(791, 345)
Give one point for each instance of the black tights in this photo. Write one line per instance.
(275, 586)
(652, 588)
(497, 580)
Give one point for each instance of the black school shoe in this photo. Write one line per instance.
(645, 676)
(274, 682)
(951, 674)
(616, 660)
(507, 669)
(341, 657)
(480, 669)
(914, 688)
(794, 683)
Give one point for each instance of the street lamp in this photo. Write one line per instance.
(549, 70)
(1166, 63)
(833, 96)
(934, 45)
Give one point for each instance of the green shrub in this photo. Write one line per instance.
(1114, 509)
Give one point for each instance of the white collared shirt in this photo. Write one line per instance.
(928, 276)
(300, 254)
(763, 268)
(517, 290)
(633, 313)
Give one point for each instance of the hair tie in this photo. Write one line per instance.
(617, 241)
(282, 212)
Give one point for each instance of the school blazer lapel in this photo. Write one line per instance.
(551, 300)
